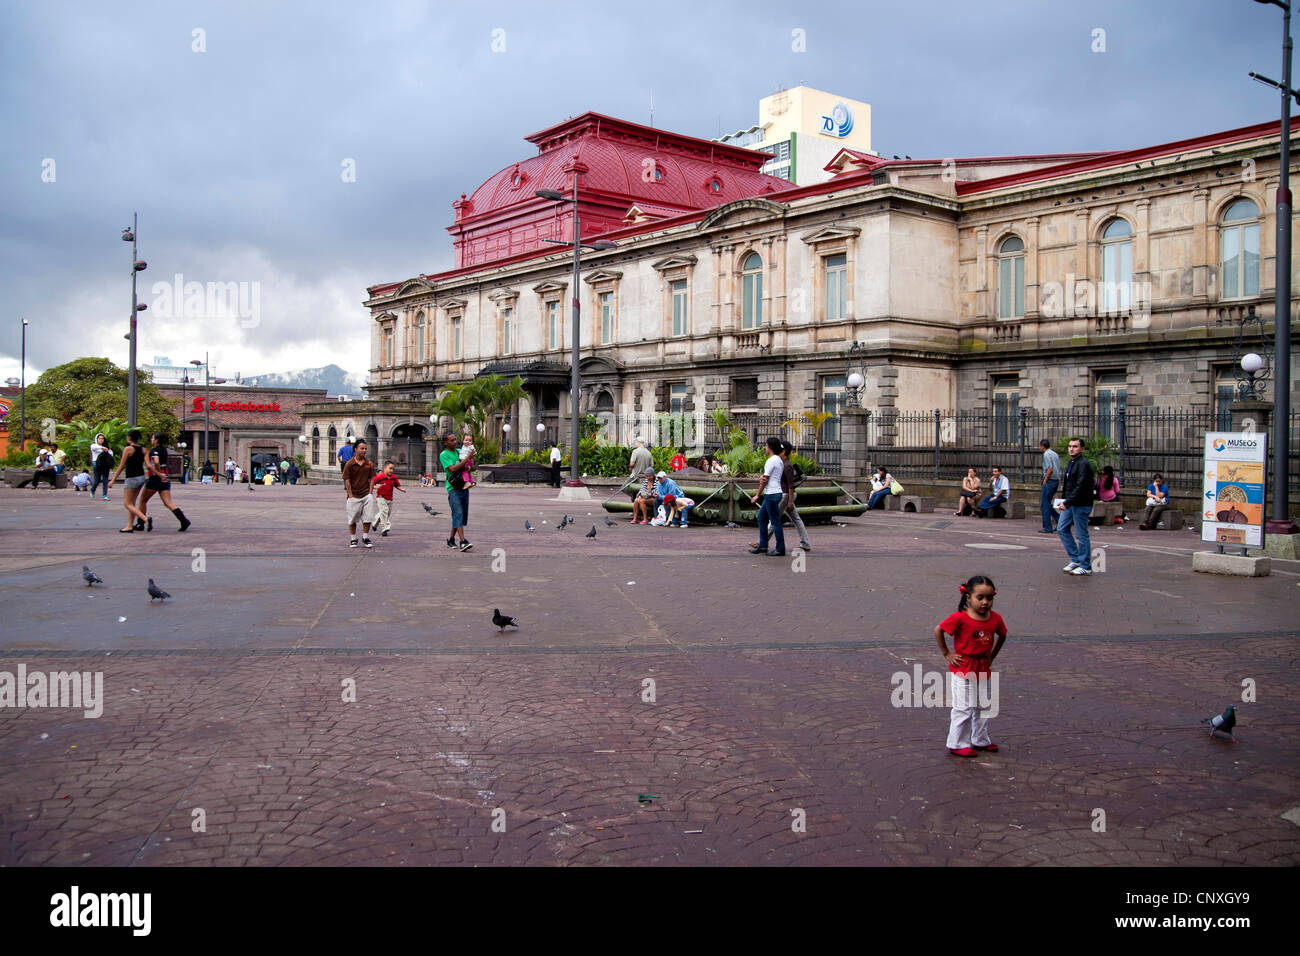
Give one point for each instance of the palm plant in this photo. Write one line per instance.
(474, 404)
(810, 419)
(81, 434)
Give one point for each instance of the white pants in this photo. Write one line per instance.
(968, 727)
(383, 514)
(359, 509)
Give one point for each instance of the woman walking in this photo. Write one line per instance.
(159, 484)
(101, 460)
(133, 462)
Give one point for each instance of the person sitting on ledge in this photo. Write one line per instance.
(880, 485)
(1157, 502)
(1001, 488)
(970, 493)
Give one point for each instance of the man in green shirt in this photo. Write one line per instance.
(457, 493)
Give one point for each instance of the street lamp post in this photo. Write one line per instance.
(575, 383)
(1280, 522)
(132, 406)
(22, 415)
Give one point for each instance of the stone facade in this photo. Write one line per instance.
(754, 304)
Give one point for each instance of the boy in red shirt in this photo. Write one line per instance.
(383, 486)
(978, 634)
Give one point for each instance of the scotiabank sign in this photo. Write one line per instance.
(234, 406)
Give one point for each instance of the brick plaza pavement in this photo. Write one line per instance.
(772, 693)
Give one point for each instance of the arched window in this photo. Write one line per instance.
(751, 283)
(1011, 278)
(315, 445)
(1240, 250)
(333, 442)
(1116, 268)
(420, 338)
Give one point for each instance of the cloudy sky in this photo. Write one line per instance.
(227, 127)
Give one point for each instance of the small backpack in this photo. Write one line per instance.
(798, 475)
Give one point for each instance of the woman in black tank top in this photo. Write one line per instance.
(133, 462)
(159, 483)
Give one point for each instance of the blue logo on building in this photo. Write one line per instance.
(839, 123)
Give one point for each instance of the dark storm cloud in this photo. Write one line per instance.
(233, 156)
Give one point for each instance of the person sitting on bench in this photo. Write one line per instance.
(1157, 503)
(1001, 488)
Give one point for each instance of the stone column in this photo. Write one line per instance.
(853, 442)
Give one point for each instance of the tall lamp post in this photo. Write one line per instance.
(128, 235)
(22, 415)
(1280, 522)
(575, 384)
(208, 382)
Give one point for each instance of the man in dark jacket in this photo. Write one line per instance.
(1075, 509)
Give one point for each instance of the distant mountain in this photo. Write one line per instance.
(333, 379)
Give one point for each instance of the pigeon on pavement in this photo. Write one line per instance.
(1223, 723)
(591, 533)
(90, 576)
(425, 506)
(608, 523)
(563, 523)
(156, 592)
(501, 621)
(528, 525)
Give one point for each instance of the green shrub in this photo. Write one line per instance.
(17, 458)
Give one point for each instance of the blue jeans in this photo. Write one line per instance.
(877, 498)
(1066, 523)
(101, 477)
(458, 498)
(684, 517)
(992, 501)
(771, 514)
(1049, 492)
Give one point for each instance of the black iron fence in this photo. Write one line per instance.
(942, 445)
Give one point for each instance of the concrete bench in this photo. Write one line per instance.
(1105, 512)
(525, 471)
(1171, 520)
(1011, 509)
(921, 504)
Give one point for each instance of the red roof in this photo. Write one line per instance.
(618, 164)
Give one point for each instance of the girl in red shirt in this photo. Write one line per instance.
(978, 634)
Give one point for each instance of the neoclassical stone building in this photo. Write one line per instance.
(1067, 282)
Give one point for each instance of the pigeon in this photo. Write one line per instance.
(563, 523)
(528, 525)
(591, 533)
(156, 592)
(608, 523)
(1223, 723)
(425, 506)
(501, 621)
(90, 576)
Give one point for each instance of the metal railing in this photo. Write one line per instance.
(943, 444)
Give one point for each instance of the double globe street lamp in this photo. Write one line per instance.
(575, 384)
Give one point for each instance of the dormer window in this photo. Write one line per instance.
(715, 184)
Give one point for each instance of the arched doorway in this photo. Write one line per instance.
(406, 448)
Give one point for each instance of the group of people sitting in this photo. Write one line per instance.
(970, 504)
(660, 501)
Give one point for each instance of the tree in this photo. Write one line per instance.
(94, 390)
(475, 403)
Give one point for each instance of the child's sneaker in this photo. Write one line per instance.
(352, 542)
(451, 542)
(465, 545)
(367, 542)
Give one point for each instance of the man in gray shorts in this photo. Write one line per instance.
(358, 474)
